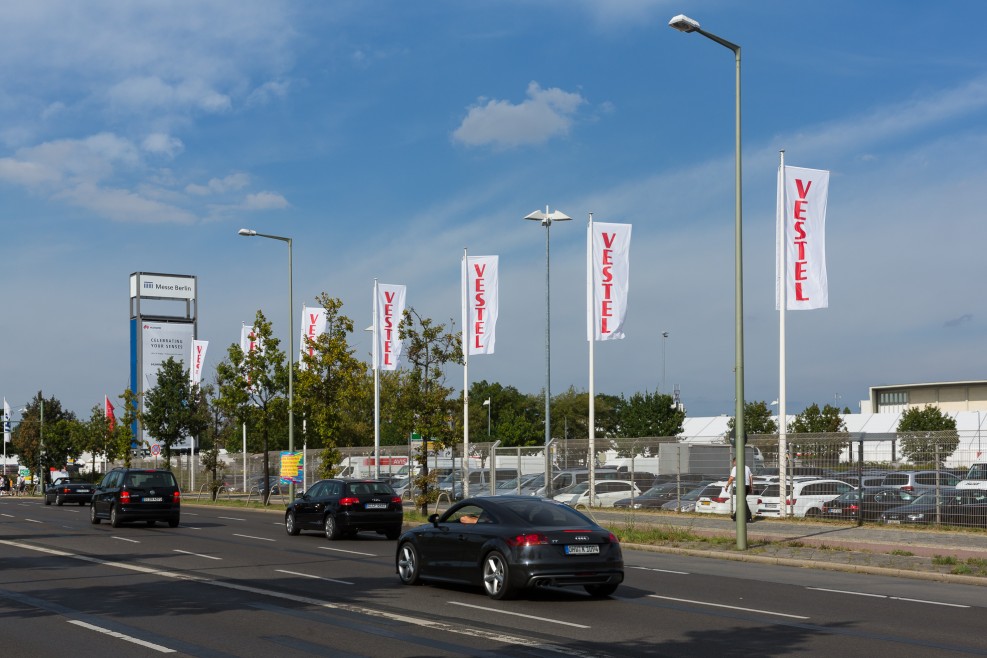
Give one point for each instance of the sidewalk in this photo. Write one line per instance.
(958, 556)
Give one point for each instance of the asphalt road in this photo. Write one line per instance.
(232, 583)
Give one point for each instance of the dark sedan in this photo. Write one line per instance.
(868, 505)
(67, 490)
(657, 495)
(922, 510)
(341, 507)
(509, 543)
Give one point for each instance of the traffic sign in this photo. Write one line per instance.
(155, 449)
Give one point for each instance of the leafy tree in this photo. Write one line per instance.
(328, 386)
(812, 420)
(173, 408)
(927, 435)
(123, 436)
(254, 386)
(649, 415)
(758, 420)
(28, 441)
(96, 434)
(429, 347)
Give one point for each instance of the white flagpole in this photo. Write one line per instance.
(466, 377)
(376, 360)
(591, 309)
(783, 303)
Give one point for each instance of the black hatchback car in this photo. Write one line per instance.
(509, 543)
(342, 507)
(136, 494)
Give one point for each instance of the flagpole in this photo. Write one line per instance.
(783, 303)
(466, 378)
(376, 360)
(591, 318)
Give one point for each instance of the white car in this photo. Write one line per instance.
(607, 493)
(976, 478)
(807, 499)
(715, 500)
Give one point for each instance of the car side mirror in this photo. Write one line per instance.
(434, 520)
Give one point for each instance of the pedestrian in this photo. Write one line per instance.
(21, 485)
(748, 484)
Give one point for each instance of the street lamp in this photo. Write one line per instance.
(486, 403)
(249, 233)
(685, 24)
(664, 337)
(546, 218)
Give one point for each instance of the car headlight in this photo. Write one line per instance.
(636, 506)
(916, 517)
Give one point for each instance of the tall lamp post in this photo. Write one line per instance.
(683, 23)
(486, 403)
(246, 232)
(546, 218)
(664, 337)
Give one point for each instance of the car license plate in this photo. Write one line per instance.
(704, 503)
(375, 506)
(582, 549)
(82, 490)
(893, 521)
(156, 499)
(835, 510)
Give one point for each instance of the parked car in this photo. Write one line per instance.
(69, 490)
(975, 478)
(922, 510)
(712, 501)
(687, 502)
(509, 543)
(340, 507)
(274, 483)
(512, 487)
(479, 481)
(920, 480)
(136, 494)
(968, 507)
(868, 504)
(808, 496)
(566, 478)
(657, 495)
(607, 492)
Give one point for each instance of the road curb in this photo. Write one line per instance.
(815, 564)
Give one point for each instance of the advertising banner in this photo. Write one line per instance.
(199, 348)
(162, 340)
(608, 249)
(801, 239)
(292, 465)
(313, 325)
(481, 303)
(389, 307)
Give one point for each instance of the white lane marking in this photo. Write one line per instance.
(33, 521)
(843, 591)
(121, 636)
(730, 607)
(890, 598)
(432, 624)
(681, 573)
(132, 541)
(211, 557)
(230, 518)
(518, 614)
(252, 537)
(9, 516)
(339, 550)
(308, 575)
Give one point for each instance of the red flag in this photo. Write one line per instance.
(109, 413)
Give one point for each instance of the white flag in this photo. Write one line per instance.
(608, 248)
(198, 359)
(388, 306)
(6, 421)
(313, 325)
(248, 339)
(481, 295)
(801, 239)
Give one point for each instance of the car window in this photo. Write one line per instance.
(896, 479)
(334, 488)
(542, 513)
(468, 514)
(317, 490)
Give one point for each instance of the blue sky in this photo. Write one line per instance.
(385, 137)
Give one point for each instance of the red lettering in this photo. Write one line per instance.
(389, 296)
(606, 309)
(803, 191)
(800, 210)
(479, 313)
(607, 290)
(799, 231)
(480, 269)
(607, 257)
(800, 273)
(480, 301)
(608, 239)
(800, 247)
(799, 295)
(476, 342)
(607, 275)
(478, 329)
(603, 327)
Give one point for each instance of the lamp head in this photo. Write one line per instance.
(683, 23)
(547, 218)
(246, 232)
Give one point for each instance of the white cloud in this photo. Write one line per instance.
(236, 181)
(162, 144)
(264, 201)
(545, 114)
(267, 92)
(124, 205)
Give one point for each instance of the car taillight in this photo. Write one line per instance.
(396, 500)
(351, 500)
(720, 500)
(853, 508)
(908, 487)
(613, 539)
(790, 501)
(759, 501)
(65, 490)
(176, 497)
(124, 496)
(533, 539)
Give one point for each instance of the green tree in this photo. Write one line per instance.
(927, 435)
(30, 438)
(327, 391)
(758, 420)
(824, 450)
(253, 386)
(429, 347)
(96, 434)
(123, 437)
(173, 408)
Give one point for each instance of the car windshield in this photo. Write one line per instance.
(547, 513)
(977, 472)
(580, 488)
